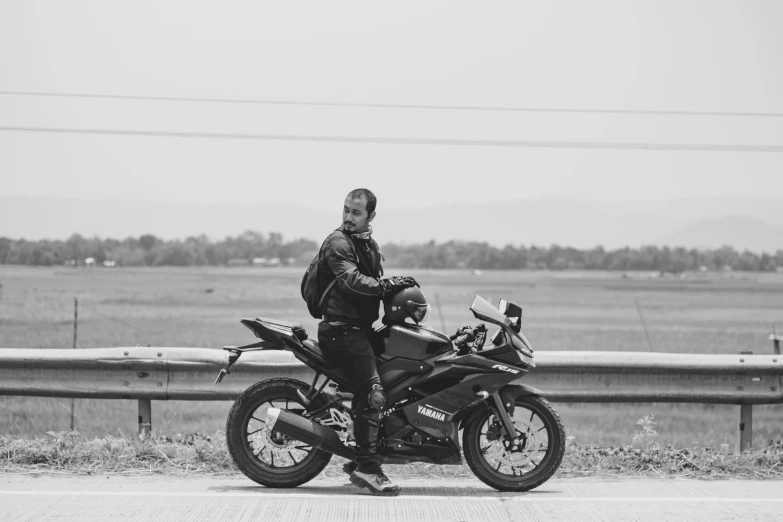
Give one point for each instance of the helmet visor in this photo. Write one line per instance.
(418, 312)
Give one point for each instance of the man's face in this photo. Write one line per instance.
(355, 218)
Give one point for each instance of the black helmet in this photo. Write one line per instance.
(407, 303)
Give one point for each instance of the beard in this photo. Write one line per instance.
(356, 232)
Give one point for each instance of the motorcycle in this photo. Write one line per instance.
(282, 432)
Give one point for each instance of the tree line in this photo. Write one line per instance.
(256, 248)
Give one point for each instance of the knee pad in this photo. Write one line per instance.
(377, 398)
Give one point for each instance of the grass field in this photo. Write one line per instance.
(716, 313)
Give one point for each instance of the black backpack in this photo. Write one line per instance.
(311, 286)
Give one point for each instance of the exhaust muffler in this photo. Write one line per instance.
(305, 430)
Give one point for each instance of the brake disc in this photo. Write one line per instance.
(277, 440)
(530, 445)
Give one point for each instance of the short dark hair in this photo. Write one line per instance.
(366, 193)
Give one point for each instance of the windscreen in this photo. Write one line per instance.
(483, 310)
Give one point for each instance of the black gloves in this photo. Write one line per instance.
(395, 284)
(408, 281)
(469, 339)
(462, 331)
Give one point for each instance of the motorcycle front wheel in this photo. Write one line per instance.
(495, 460)
(268, 457)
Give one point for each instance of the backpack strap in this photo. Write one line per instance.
(329, 287)
(331, 284)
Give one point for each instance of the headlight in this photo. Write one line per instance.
(518, 341)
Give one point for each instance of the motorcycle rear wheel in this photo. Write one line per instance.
(494, 460)
(254, 449)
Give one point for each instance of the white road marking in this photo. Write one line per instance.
(531, 499)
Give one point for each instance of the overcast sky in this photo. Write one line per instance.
(659, 56)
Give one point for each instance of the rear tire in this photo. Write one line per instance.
(254, 449)
(491, 457)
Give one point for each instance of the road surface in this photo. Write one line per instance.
(227, 499)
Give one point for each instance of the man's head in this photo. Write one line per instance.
(359, 211)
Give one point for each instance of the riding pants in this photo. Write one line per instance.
(349, 349)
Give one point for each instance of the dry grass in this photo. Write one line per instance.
(197, 454)
(74, 453)
(703, 463)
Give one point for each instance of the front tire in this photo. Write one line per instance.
(270, 458)
(497, 463)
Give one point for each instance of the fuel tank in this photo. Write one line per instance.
(409, 342)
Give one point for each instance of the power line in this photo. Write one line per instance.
(703, 147)
(398, 105)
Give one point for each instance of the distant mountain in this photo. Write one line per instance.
(742, 222)
(741, 232)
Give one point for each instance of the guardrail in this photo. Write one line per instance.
(148, 374)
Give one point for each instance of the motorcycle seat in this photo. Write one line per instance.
(276, 324)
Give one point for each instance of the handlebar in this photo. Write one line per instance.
(475, 335)
(462, 339)
(463, 332)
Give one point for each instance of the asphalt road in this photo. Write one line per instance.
(161, 499)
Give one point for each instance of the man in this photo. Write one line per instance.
(349, 310)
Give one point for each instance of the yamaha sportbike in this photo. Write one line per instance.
(282, 432)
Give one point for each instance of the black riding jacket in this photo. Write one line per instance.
(356, 263)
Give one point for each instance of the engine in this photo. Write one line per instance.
(394, 423)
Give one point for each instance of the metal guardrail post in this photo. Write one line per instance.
(75, 330)
(746, 427)
(145, 417)
(746, 418)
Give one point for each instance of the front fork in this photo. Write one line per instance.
(505, 419)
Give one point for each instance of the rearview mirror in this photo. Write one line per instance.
(513, 312)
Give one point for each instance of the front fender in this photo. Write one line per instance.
(508, 394)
